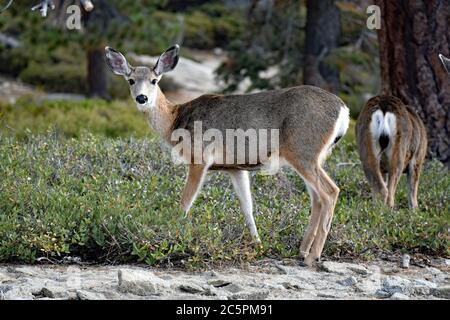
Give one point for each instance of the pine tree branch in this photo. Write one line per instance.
(87, 5)
(44, 6)
(6, 6)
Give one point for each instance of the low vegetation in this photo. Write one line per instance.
(85, 179)
(71, 119)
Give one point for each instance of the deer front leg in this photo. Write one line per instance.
(241, 183)
(195, 177)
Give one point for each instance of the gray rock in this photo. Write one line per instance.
(211, 291)
(348, 282)
(328, 295)
(300, 285)
(343, 268)
(250, 295)
(273, 286)
(442, 292)
(399, 296)
(359, 269)
(441, 262)
(88, 295)
(282, 269)
(367, 287)
(5, 288)
(423, 287)
(218, 283)
(233, 288)
(405, 261)
(140, 282)
(17, 293)
(396, 284)
(191, 288)
(4, 277)
(333, 267)
(45, 292)
(434, 271)
(380, 293)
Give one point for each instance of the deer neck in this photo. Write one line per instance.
(161, 115)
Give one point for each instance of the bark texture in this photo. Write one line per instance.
(412, 34)
(97, 76)
(323, 29)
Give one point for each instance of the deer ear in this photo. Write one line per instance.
(167, 61)
(445, 62)
(117, 62)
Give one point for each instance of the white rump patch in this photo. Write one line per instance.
(382, 124)
(340, 129)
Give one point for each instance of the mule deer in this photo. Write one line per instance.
(391, 139)
(309, 121)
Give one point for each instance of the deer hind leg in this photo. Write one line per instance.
(320, 203)
(241, 184)
(311, 230)
(372, 171)
(195, 177)
(413, 182)
(394, 173)
(326, 216)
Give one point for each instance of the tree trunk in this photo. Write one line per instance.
(323, 29)
(412, 35)
(97, 76)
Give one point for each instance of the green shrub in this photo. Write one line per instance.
(70, 119)
(56, 78)
(117, 200)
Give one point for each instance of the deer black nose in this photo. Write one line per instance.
(141, 99)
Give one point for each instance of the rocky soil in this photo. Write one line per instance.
(265, 280)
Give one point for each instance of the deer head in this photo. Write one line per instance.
(143, 81)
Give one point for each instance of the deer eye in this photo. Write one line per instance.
(131, 82)
(154, 81)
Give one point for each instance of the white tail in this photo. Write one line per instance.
(382, 128)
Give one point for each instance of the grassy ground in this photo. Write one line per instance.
(111, 197)
(70, 119)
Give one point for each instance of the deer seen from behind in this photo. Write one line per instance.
(391, 140)
(308, 120)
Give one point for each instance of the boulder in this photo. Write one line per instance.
(348, 282)
(396, 284)
(88, 295)
(399, 296)
(191, 288)
(250, 295)
(139, 282)
(442, 292)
